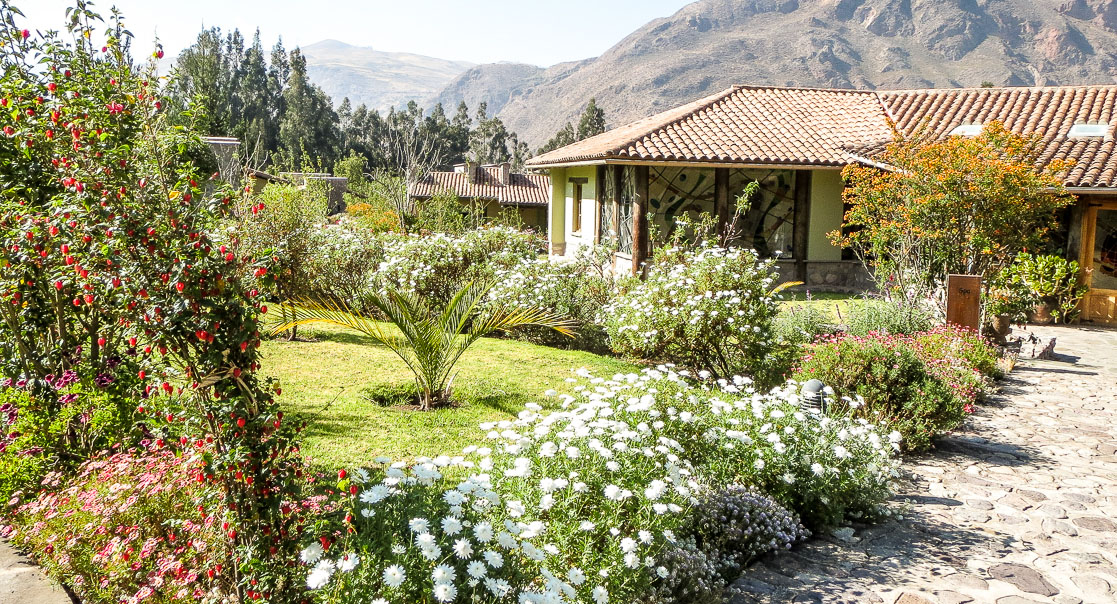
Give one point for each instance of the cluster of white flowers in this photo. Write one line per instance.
(438, 264)
(695, 307)
(569, 506)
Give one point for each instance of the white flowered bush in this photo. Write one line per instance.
(709, 310)
(593, 502)
(575, 287)
(436, 266)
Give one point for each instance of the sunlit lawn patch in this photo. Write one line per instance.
(336, 380)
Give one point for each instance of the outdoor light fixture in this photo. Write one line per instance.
(813, 397)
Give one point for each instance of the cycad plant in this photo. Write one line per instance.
(428, 339)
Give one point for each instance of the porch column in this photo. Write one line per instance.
(640, 220)
(721, 201)
(800, 234)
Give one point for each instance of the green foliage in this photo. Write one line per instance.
(430, 339)
(283, 225)
(1047, 279)
(709, 311)
(38, 435)
(592, 121)
(895, 316)
(884, 379)
(309, 124)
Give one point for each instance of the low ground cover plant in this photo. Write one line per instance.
(610, 499)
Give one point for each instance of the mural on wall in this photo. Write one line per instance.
(767, 225)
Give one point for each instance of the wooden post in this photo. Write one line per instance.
(640, 221)
(721, 201)
(801, 230)
(963, 301)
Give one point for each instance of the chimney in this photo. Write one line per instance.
(505, 173)
(471, 171)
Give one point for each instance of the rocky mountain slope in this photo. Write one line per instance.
(712, 44)
(375, 78)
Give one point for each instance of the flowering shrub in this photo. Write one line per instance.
(962, 349)
(709, 310)
(128, 528)
(577, 289)
(592, 503)
(916, 389)
(435, 267)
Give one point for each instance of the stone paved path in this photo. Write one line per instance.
(21, 582)
(1018, 507)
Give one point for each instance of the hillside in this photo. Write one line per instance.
(712, 44)
(377, 79)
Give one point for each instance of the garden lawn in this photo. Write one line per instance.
(329, 381)
(837, 306)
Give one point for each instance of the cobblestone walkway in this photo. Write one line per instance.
(1019, 507)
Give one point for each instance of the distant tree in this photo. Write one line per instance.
(458, 136)
(520, 152)
(256, 123)
(488, 143)
(987, 84)
(202, 78)
(592, 122)
(309, 123)
(562, 138)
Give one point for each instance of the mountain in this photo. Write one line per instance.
(378, 79)
(712, 44)
(493, 84)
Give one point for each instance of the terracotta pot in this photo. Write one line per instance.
(1041, 314)
(1002, 324)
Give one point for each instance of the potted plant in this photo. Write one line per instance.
(1052, 282)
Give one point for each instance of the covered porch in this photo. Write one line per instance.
(631, 207)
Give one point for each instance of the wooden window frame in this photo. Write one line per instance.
(576, 215)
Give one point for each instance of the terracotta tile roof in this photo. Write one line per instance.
(1050, 111)
(744, 124)
(813, 127)
(521, 190)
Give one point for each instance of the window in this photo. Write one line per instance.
(576, 185)
(967, 130)
(1088, 131)
(577, 213)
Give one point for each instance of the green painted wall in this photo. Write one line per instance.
(826, 215)
(556, 219)
(589, 206)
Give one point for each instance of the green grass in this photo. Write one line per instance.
(329, 380)
(837, 306)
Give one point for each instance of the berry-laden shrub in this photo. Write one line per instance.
(106, 257)
(589, 503)
(576, 289)
(709, 310)
(435, 267)
(883, 378)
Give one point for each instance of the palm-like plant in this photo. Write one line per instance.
(429, 340)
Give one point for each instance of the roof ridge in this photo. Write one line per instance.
(994, 88)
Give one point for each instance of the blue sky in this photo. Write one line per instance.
(542, 32)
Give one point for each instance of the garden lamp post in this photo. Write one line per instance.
(813, 395)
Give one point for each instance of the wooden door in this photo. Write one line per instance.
(1099, 263)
